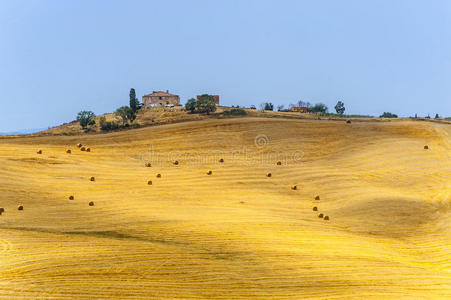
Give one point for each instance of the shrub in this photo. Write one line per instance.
(190, 105)
(107, 125)
(235, 112)
(388, 115)
(269, 106)
(319, 108)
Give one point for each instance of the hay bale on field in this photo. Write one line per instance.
(148, 164)
(315, 208)
(221, 160)
(279, 163)
(88, 149)
(79, 145)
(68, 151)
(91, 203)
(294, 187)
(210, 172)
(20, 207)
(320, 216)
(317, 198)
(426, 147)
(348, 121)
(158, 175)
(176, 162)
(83, 149)
(326, 218)
(39, 152)
(149, 182)
(268, 174)
(92, 178)
(71, 197)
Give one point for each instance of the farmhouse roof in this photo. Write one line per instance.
(160, 94)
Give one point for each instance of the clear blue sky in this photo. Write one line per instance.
(60, 57)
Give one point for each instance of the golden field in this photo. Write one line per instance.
(236, 233)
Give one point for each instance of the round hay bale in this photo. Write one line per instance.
(294, 187)
(68, 151)
(315, 208)
(221, 160)
(210, 172)
(279, 163)
(326, 218)
(176, 162)
(158, 175)
(320, 216)
(82, 149)
(426, 147)
(71, 197)
(148, 164)
(20, 207)
(79, 145)
(39, 152)
(88, 149)
(149, 182)
(92, 178)
(2, 210)
(91, 203)
(268, 174)
(317, 198)
(348, 121)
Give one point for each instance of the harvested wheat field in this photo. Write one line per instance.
(236, 233)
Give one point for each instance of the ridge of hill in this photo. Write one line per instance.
(162, 115)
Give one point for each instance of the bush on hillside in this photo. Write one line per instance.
(190, 105)
(319, 108)
(388, 115)
(235, 112)
(107, 125)
(126, 113)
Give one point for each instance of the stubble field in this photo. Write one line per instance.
(236, 233)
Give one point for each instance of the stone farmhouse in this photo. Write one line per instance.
(159, 98)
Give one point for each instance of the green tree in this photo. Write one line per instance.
(190, 105)
(437, 116)
(126, 113)
(269, 106)
(388, 115)
(107, 125)
(86, 118)
(319, 108)
(134, 102)
(340, 108)
(206, 104)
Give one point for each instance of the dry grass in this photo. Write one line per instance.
(236, 234)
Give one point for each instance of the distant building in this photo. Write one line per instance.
(158, 98)
(300, 109)
(214, 96)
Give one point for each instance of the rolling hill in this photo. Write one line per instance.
(236, 233)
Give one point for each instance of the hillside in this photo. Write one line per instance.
(236, 233)
(162, 116)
